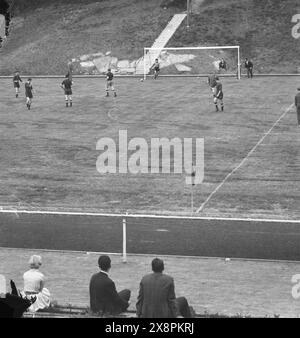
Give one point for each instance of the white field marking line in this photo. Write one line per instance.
(95, 214)
(244, 160)
(259, 260)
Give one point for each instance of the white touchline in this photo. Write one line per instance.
(244, 160)
(127, 215)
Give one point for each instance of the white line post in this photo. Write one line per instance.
(192, 189)
(239, 64)
(124, 241)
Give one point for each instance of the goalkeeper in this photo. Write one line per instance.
(218, 97)
(156, 69)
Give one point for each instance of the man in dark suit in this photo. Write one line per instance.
(104, 297)
(249, 67)
(157, 298)
(297, 104)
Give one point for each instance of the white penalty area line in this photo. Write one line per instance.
(127, 215)
(200, 209)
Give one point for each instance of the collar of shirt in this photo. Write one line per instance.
(104, 272)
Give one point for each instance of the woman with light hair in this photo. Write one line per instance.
(34, 282)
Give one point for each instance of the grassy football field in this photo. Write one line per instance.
(48, 154)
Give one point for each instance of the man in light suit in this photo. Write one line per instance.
(157, 298)
(104, 298)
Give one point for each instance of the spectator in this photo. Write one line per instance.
(34, 282)
(157, 298)
(249, 67)
(104, 298)
(12, 305)
(297, 104)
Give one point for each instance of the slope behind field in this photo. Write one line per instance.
(45, 34)
(49, 153)
(263, 29)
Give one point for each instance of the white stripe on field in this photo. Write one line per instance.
(244, 160)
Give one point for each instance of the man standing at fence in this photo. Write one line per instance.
(249, 67)
(297, 104)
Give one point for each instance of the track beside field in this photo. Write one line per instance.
(273, 240)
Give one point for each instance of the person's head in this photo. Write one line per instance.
(157, 265)
(156, 60)
(29, 80)
(35, 261)
(246, 59)
(17, 72)
(109, 70)
(67, 76)
(104, 263)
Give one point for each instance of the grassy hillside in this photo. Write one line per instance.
(45, 33)
(261, 27)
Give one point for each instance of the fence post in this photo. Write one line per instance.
(124, 241)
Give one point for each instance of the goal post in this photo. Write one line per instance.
(193, 61)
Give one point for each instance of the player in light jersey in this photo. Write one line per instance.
(16, 80)
(218, 97)
(212, 82)
(110, 83)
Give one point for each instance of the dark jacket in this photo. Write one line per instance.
(156, 297)
(297, 100)
(104, 297)
(248, 64)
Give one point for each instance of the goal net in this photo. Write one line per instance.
(193, 61)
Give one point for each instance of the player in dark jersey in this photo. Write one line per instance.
(110, 83)
(28, 93)
(156, 69)
(218, 97)
(66, 85)
(16, 80)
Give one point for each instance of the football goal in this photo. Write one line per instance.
(193, 61)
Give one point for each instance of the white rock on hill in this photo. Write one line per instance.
(182, 68)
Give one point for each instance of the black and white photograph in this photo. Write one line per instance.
(149, 162)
